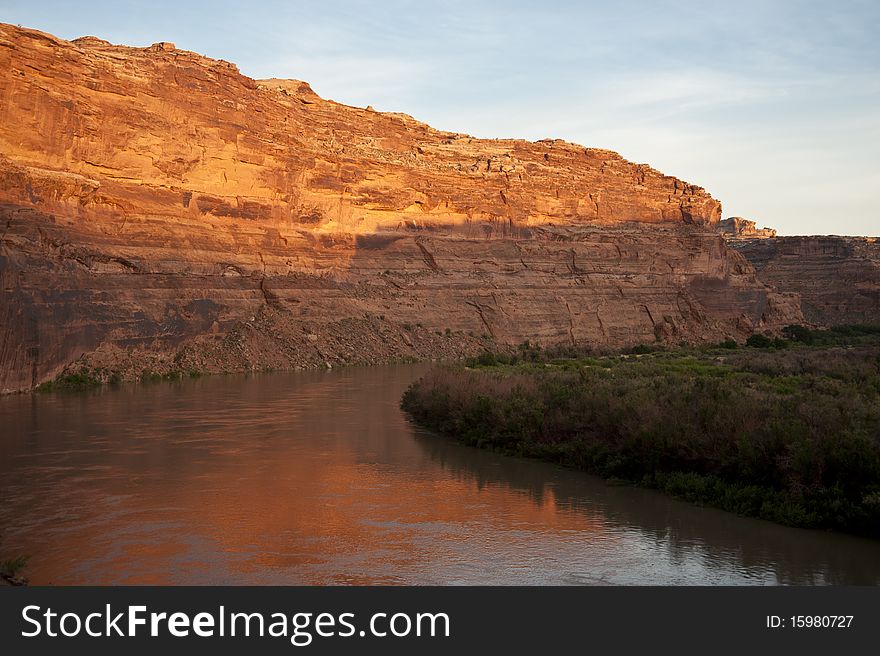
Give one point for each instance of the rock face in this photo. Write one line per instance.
(737, 227)
(162, 211)
(837, 278)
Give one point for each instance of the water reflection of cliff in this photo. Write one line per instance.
(317, 477)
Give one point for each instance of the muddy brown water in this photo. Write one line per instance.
(319, 478)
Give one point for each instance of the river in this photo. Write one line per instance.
(318, 478)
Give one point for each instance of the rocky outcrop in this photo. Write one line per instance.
(160, 210)
(837, 278)
(737, 227)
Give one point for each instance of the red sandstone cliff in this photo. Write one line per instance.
(160, 210)
(836, 278)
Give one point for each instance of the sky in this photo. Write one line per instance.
(773, 107)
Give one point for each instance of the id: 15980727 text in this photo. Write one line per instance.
(810, 622)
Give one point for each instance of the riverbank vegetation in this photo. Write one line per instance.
(83, 379)
(11, 569)
(787, 429)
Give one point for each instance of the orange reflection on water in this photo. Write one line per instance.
(339, 521)
(317, 478)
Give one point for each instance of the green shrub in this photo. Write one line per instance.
(758, 340)
(73, 381)
(789, 435)
(485, 359)
(11, 567)
(797, 333)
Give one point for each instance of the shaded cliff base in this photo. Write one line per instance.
(271, 341)
(144, 295)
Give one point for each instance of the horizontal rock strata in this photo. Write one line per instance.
(837, 278)
(161, 210)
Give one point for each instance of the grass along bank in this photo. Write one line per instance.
(788, 432)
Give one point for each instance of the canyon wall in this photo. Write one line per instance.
(160, 211)
(836, 278)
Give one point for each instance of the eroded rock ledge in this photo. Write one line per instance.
(737, 227)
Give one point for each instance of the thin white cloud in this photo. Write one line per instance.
(354, 80)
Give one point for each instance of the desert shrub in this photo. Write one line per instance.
(759, 341)
(789, 435)
(798, 333)
(11, 567)
(81, 379)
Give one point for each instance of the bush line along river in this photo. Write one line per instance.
(789, 432)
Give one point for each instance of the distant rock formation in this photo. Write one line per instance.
(163, 212)
(837, 278)
(737, 227)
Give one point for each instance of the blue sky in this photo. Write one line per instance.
(774, 107)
